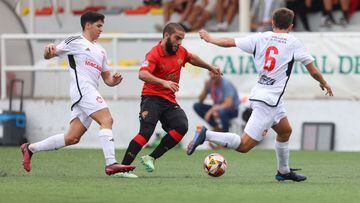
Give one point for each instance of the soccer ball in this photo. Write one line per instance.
(215, 165)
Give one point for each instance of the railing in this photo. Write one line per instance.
(114, 38)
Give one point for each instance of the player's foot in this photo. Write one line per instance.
(199, 139)
(27, 154)
(290, 176)
(148, 162)
(125, 175)
(116, 168)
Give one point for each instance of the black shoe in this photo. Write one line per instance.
(290, 176)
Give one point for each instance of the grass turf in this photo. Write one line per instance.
(77, 175)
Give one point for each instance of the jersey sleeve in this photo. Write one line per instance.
(105, 65)
(247, 44)
(188, 57)
(66, 47)
(301, 54)
(149, 63)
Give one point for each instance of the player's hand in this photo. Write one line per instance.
(204, 35)
(208, 115)
(216, 71)
(173, 86)
(328, 89)
(50, 50)
(117, 78)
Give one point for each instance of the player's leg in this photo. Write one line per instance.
(174, 121)
(76, 130)
(259, 121)
(104, 119)
(150, 108)
(283, 130)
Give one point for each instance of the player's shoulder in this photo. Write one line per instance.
(153, 53)
(182, 49)
(72, 39)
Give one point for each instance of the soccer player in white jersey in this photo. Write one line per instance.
(274, 54)
(87, 61)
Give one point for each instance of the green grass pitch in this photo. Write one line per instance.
(77, 175)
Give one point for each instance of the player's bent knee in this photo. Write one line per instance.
(108, 121)
(182, 128)
(147, 129)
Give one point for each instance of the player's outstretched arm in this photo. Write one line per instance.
(111, 80)
(222, 42)
(197, 61)
(49, 51)
(146, 76)
(315, 73)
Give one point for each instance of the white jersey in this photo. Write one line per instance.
(274, 56)
(87, 60)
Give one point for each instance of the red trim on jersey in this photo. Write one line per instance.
(140, 140)
(166, 67)
(175, 135)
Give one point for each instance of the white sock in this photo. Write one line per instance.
(51, 143)
(282, 154)
(229, 140)
(107, 141)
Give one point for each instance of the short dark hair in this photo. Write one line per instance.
(283, 18)
(171, 27)
(91, 17)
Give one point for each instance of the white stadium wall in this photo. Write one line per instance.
(49, 117)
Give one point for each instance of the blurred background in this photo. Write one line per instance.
(34, 92)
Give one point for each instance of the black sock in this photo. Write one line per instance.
(131, 152)
(345, 15)
(167, 142)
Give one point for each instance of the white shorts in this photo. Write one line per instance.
(209, 6)
(88, 104)
(262, 118)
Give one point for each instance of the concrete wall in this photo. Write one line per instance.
(49, 117)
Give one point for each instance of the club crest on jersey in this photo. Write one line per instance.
(92, 64)
(99, 99)
(180, 62)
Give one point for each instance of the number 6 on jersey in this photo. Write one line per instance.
(270, 60)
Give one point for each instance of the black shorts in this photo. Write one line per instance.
(154, 109)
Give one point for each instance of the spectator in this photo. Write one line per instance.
(261, 13)
(327, 19)
(228, 9)
(183, 7)
(300, 8)
(225, 103)
(201, 13)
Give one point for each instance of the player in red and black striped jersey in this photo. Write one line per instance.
(161, 73)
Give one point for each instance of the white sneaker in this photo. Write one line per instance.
(215, 28)
(223, 27)
(125, 175)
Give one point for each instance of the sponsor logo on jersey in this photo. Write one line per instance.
(92, 64)
(265, 80)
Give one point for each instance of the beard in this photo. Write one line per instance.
(169, 47)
